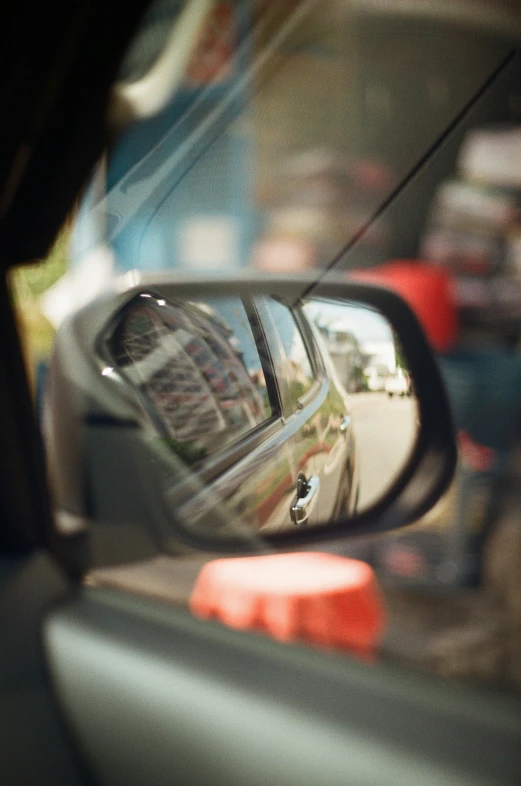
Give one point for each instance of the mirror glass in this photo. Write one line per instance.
(286, 415)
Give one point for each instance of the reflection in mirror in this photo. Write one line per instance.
(197, 368)
(287, 415)
(371, 366)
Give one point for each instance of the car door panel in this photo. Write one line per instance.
(34, 745)
(260, 487)
(193, 702)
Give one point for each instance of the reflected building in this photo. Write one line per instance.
(188, 365)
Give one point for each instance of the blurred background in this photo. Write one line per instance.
(346, 135)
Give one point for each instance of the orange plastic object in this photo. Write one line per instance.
(430, 292)
(311, 596)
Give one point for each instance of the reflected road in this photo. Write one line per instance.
(385, 430)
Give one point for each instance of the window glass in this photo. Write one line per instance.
(287, 330)
(290, 135)
(197, 368)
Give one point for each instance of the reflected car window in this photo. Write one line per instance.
(197, 367)
(287, 330)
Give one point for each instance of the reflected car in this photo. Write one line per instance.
(398, 383)
(376, 376)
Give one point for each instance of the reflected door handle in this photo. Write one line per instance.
(345, 423)
(304, 503)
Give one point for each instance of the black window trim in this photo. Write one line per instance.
(280, 358)
(265, 355)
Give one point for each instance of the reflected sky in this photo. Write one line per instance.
(364, 323)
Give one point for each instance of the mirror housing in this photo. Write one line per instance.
(99, 433)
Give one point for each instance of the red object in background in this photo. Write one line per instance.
(212, 59)
(477, 457)
(372, 175)
(428, 290)
(316, 597)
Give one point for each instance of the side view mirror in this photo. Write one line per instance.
(233, 412)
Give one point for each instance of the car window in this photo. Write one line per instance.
(300, 370)
(197, 369)
(322, 135)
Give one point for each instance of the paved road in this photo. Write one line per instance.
(385, 430)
